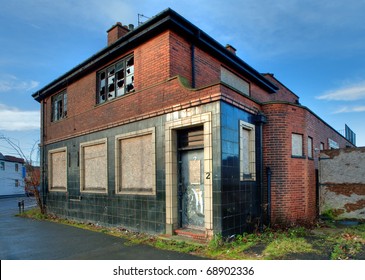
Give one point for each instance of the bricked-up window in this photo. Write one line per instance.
(59, 106)
(116, 80)
(135, 163)
(247, 151)
(310, 147)
(93, 166)
(57, 169)
(297, 145)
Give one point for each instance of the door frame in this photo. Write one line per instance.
(171, 168)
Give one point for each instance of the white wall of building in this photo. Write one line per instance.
(11, 178)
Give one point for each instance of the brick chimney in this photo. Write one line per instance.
(116, 31)
(231, 48)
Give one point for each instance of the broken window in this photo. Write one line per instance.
(59, 106)
(116, 80)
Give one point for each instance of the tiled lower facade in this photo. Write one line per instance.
(230, 204)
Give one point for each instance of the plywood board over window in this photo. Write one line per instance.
(93, 166)
(57, 169)
(297, 145)
(247, 152)
(135, 163)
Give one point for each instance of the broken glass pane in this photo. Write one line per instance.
(120, 81)
(111, 86)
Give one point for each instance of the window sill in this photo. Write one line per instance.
(299, 157)
(116, 98)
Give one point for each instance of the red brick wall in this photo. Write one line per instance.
(293, 188)
(283, 94)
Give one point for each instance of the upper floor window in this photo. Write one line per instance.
(232, 80)
(16, 167)
(2, 165)
(59, 106)
(116, 80)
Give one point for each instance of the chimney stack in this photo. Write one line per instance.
(231, 48)
(116, 31)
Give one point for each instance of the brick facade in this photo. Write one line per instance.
(177, 85)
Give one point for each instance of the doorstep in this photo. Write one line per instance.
(194, 234)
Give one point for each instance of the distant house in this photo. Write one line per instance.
(12, 173)
(167, 131)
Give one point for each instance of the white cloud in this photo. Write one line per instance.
(13, 119)
(350, 109)
(349, 93)
(13, 83)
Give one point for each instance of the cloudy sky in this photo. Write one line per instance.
(316, 48)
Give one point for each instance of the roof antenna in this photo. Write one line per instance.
(140, 18)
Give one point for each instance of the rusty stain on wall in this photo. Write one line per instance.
(360, 204)
(346, 189)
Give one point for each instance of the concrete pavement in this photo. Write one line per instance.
(27, 239)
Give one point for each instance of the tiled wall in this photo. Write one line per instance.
(239, 200)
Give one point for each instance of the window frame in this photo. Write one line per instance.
(119, 190)
(251, 151)
(235, 81)
(310, 152)
(102, 84)
(59, 106)
(50, 169)
(302, 155)
(104, 189)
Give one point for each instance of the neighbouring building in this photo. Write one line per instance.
(167, 131)
(12, 174)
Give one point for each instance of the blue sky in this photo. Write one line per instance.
(316, 48)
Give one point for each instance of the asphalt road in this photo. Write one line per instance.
(27, 239)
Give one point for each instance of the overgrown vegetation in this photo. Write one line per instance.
(324, 241)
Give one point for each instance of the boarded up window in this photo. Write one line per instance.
(297, 145)
(94, 177)
(234, 81)
(310, 147)
(57, 170)
(136, 162)
(247, 151)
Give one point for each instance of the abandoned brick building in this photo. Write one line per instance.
(165, 129)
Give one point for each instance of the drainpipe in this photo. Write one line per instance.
(260, 120)
(43, 157)
(268, 172)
